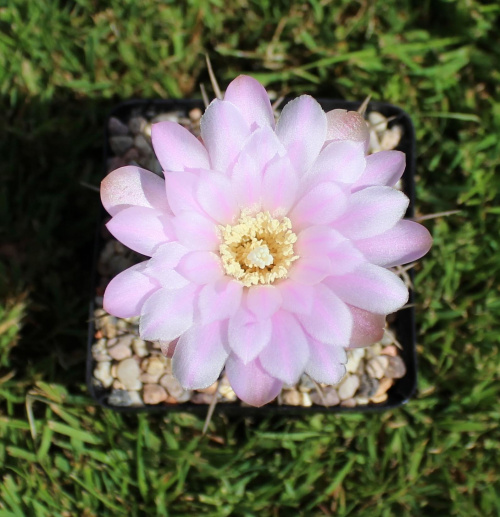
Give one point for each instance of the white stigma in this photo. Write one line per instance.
(260, 257)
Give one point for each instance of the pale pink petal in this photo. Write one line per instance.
(339, 161)
(251, 98)
(196, 231)
(247, 335)
(263, 300)
(250, 381)
(279, 187)
(199, 356)
(268, 145)
(317, 240)
(310, 269)
(330, 320)
(133, 186)
(162, 263)
(297, 298)
(215, 195)
(167, 256)
(176, 148)
(247, 183)
(224, 131)
(127, 292)
(347, 125)
(287, 354)
(382, 168)
(326, 362)
(167, 313)
(367, 327)
(201, 267)
(345, 258)
(180, 191)
(405, 242)
(219, 300)
(321, 205)
(372, 288)
(372, 211)
(302, 130)
(141, 229)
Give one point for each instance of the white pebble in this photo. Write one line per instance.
(348, 387)
(128, 373)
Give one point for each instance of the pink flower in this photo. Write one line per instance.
(269, 246)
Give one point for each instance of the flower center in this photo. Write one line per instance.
(258, 249)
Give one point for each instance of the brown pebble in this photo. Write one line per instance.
(154, 394)
(396, 368)
(348, 403)
(210, 390)
(383, 387)
(379, 399)
(201, 398)
(172, 385)
(195, 114)
(330, 397)
(147, 378)
(377, 366)
(98, 334)
(390, 350)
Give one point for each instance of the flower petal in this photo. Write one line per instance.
(382, 168)
(302, 130)
(199, 356)
(326, 362)
(167, 313)
(219, 300)
(162, 263)
(247, 335)
(321, 205)
(176, 148)
(287, 354)
(330, 320)
(141, 229)
(215, 195)
(251, 382)
(180, 187)
(297, 298)
(196, 232)
(127, 292)
(133, 186)
(339, 161)
(279, 187)
(224, 131)
(345, 258)
(317, 240)
(201, 267)
(310, 269)
(263, 300)
(405, 242)
(346, 125)
(247, 183)
(367, 327)
(372, 211)
(251, 98)
(372, 288)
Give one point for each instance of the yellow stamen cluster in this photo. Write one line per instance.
(258, 249)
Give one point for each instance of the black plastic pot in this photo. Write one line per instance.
(403, 324)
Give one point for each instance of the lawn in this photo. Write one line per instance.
(63, 65)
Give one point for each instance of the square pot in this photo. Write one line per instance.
(403, 324)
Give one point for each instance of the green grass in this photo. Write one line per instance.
(63, 65)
